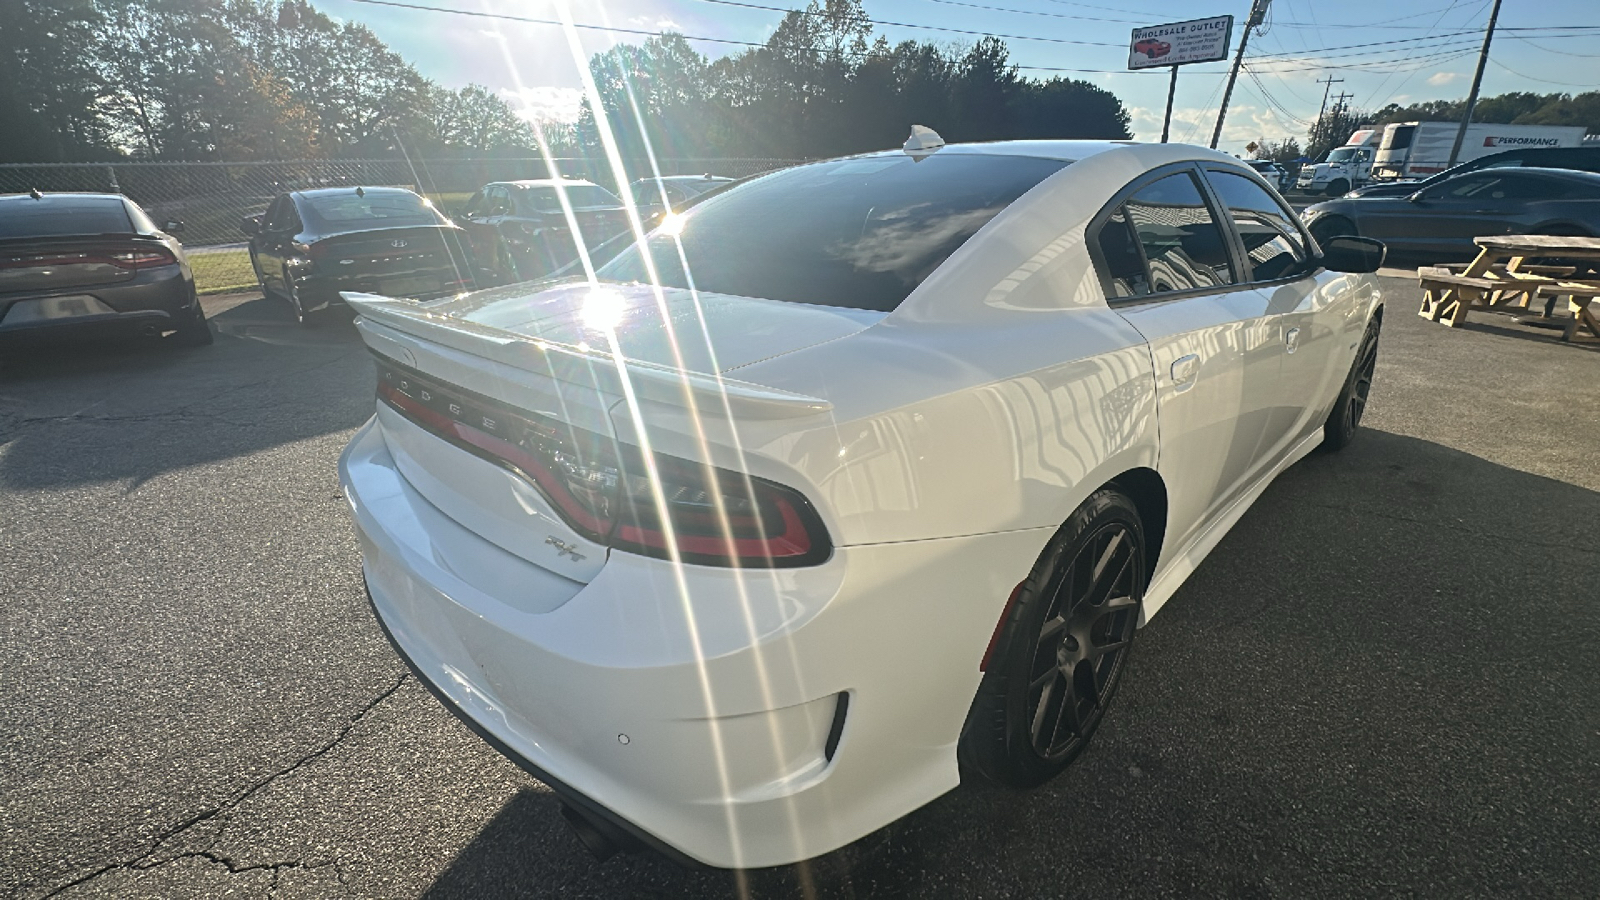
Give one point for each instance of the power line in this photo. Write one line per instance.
(1036, 12)
(1531, 78)
(963, 31)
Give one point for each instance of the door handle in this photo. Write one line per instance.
(1184, 369)
(1291, 339)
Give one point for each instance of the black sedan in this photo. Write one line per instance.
(309, 246)
(79, 263)
(678, 190)
(1439, 222)
(1583, 159)
(519, 230)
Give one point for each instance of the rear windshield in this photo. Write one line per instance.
(374, 209)
(544, 199)
(58, 217)
(861, 233)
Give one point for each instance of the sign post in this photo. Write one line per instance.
(1178, 44)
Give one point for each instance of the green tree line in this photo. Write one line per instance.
(90, 80)
(823, 85)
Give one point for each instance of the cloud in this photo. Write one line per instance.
(1439, 78)
(545, 103)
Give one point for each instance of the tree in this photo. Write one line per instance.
(49, 87)
(1064, 108)
(1284, 151)
(983, 92)
(474, 118)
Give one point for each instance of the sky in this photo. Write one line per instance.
(1400, 51)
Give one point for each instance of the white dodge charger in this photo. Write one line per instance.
(847, 482)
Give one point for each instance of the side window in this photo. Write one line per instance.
(1468, 188)
(1271, 238)
(476, 206)
(1520, 187)
(1182, 242)
(499, 201)
(1119, 247)
(277, 217)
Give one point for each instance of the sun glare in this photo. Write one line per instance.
(602, 309)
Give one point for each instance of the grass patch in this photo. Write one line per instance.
(222, 271)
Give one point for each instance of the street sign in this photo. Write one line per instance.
(1180, 43)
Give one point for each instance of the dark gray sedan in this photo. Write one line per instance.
(82, 263)
(1439, 222)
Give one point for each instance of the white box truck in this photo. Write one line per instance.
(1345, 166)
(1419, 149)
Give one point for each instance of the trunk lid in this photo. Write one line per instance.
(478, 394)
(717, 334)
(47, 265)
(406, 262)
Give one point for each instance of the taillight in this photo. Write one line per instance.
(139, 258)
(143, 258)
(603, 488)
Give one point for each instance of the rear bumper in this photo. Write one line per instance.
(152, 300)
(693, 706)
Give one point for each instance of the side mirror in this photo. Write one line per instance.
(1347, 253)
(250, 224)
(172, 226)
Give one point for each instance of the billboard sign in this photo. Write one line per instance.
(1180, 43)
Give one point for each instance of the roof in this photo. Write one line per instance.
(545, 182)
(323, 192)
(672, 178)
(62, 197)
(1073, 151)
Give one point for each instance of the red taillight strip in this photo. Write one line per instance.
(153, 257)
(503, 451)
(794, 541)
(802, 540)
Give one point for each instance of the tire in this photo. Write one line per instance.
(1338, 187)
(1331, 227)
(1060, 655)
(1345, 417)
(191, 329)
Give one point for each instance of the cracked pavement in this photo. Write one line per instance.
(1382, 682)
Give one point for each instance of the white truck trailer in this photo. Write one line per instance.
(1406, 150)
(1419, 149)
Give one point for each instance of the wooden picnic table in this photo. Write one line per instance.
(1501, 277)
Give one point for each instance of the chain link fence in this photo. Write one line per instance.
(211, 198)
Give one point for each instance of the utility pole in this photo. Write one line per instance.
(1258, 11)
(1477, 80)
(1327, 84)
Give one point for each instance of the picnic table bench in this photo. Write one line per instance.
(1501, 277)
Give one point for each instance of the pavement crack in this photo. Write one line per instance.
(147, 859)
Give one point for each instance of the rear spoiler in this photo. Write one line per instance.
(581, 366)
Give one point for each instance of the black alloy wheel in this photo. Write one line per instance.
(1345, 417)
(1063, 648)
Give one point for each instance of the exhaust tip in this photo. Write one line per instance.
(595, 836)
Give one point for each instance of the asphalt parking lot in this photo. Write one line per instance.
(1384, 682)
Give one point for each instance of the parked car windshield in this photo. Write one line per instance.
(373, 209)
(544, 199)
(861, 233)
(63, 216)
